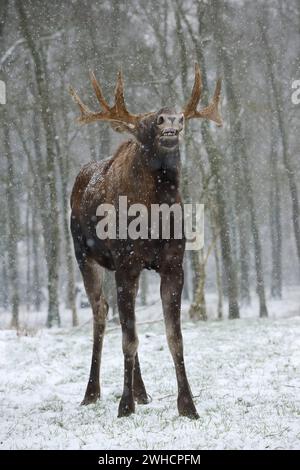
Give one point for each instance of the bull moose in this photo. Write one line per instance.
(146, 169)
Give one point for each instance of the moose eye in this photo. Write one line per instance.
(181, 120)
(160, 120)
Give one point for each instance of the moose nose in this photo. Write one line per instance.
(172, 119)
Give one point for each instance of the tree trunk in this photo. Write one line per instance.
(244, 256)
(198, 308)
(275, 217)
(240, 154)
(4, 284)
(37, 298)
(216, 161)
(143, 288)
(70, 269)
(13, 229)
(260, 285)
(28, 295)
(110, 293)
(279, 107)
(219, 283)
(238, 145)
(214, 228)
(52, 248)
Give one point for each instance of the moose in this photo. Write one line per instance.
(146, 169)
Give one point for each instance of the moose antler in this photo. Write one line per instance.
(211, 111)
(120, 118)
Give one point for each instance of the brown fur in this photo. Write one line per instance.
(148, 173)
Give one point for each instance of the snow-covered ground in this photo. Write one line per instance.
(244, 375)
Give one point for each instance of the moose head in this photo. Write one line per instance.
(155, 130)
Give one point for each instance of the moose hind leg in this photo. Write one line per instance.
(139, 389)
(93, 277)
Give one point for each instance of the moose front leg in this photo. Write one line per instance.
(126, 290)
(171, 289)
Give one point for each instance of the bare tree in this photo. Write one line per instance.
(13, 226)
(52, 244)
(262, 20)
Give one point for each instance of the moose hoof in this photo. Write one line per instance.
(126, 408)
(142, 399)
(90, 397)
(191, 414)
(89, 401)
(187, 408)
(140, 395)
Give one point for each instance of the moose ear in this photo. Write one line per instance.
(143, 123)
(119, 126)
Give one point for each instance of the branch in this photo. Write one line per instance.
(19, 42)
